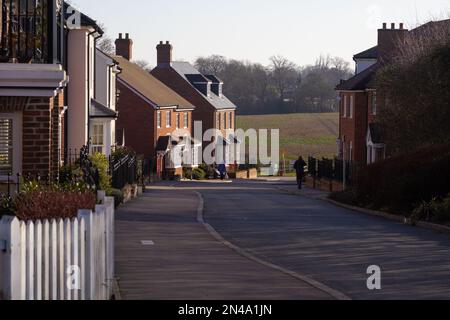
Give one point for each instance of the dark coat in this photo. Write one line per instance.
(299, 167)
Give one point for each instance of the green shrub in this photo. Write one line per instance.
(198, 174)
(101, 163)
(437, 210)
(400, 182)
(117, 195)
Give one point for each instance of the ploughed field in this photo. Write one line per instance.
(306, 134)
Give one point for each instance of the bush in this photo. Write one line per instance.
(52, 203)
(399, 183)
(117, 195)
(437, 210)
(198, 174)
(101, 163)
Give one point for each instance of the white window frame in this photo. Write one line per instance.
(345, 106)
(352, 106)
(96, 147)
(168, 119)
(158, 119)
(177, 120)
(230, 120)
(17, 124)
(374, 104)
(186, 120)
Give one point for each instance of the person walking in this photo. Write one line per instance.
(299, 167)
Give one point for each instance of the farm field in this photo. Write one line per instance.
(306, 134)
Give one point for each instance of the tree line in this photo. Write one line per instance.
(281, 87)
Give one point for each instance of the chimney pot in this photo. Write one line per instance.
(164, 51)
(393, 26)
(384, 25)
(124, 46)
(401, 26)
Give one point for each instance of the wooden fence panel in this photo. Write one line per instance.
(41, 260)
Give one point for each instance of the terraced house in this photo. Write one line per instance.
(153, 119)
(213, 108)
(360, 136)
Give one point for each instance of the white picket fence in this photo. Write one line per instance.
(59, 259)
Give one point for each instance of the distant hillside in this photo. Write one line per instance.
(300, 133)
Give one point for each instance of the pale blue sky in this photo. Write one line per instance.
(254, 30)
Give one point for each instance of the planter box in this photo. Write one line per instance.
(252, 174)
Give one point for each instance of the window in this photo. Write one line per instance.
(168, 119)
(178, 121)
(344, 107)
(351, 106)
(230, 121)
(374, 103)
(97, 141)
(6, 146)
(185, 120)
(158, 119)
(217, 121)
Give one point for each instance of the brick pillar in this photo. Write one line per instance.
(37, 131)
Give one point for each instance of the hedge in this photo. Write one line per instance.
(404, 181)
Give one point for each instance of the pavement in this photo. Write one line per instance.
(271, 237)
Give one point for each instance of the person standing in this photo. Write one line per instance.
(299, 167)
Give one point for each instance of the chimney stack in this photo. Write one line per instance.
(164, 54)
(124, 46)
(389, 41)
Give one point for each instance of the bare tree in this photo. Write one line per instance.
(284, 74)
(143, 64)
(214, 64)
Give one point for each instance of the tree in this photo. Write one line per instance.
(144, 64)
(105, 43)
(284, 75)
(214, 64)
(414, 92)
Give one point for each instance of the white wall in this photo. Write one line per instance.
(79, 95)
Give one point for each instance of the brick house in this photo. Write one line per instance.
(32, 81)
(153, 119)
(360, 136)
(212, 107)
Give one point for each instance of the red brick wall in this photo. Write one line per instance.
(137, 118)
(40, 136)
(355, 129)
(204, 111)
(370, 117)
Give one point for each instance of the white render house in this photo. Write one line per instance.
(91, 93)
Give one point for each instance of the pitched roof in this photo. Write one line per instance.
(99, 110)
(371, 53)
(361, 81)
(187, 71)
(150, 87)
(86, 21)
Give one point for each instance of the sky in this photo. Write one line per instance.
(255, 30)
